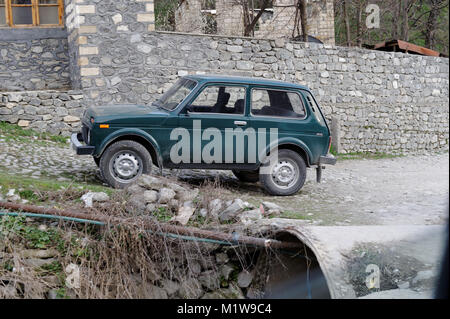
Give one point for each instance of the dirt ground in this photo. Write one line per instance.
(408, 190)
(390, 192)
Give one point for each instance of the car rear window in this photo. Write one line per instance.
(266, 102)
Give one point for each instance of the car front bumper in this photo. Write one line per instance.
(328, 159)
(75, 141)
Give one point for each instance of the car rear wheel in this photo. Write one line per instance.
(123, 162)
(247, 176)
(284, 175)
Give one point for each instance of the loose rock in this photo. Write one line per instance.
(190, 289)
(150, 196)
(149, 182)
(244, 279)
(136, 204)
(91, 197)
(209, 280)
(222, 258)
(39, 253)
(165, 195)
(250, 216)
(184, 214)
(171, 287)
(236, 207)
(271, 208)
(226, 270)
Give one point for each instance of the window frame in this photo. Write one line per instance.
(299, 93)
(35, 6)
(201, 89)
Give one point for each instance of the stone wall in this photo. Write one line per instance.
(31, 61)
(57, 112)
(375, 101)
(87, 20)
(384, 101)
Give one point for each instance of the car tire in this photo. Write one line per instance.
(123, 162)
(247, 176)
(284, 176)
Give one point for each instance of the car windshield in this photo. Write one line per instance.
(176, 94)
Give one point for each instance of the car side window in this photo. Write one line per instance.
(219, 99)
(266, 102)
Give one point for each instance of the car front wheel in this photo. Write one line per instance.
(284, 174)
(123, 162)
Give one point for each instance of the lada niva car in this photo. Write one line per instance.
(263, 130)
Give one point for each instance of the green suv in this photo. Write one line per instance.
(263, 130)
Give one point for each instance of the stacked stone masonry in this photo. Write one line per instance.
(87, 19)
(384, 101)
(33, 64)
(57, 112)
(380, 101)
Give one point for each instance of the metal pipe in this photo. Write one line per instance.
(232, 238)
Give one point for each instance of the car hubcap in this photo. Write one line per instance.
(284, 173)
(126, 166)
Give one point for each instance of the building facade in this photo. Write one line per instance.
(278, 21)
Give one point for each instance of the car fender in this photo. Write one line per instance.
(290, 141)
(131, 132)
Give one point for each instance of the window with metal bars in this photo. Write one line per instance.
(31, 13)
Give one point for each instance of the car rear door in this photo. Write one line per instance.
(286, 111)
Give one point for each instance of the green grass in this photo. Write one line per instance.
(162, 214)
(54, 267)
(14, 132)
(28, 188)
(367, 155)
(28, 184)
(31, 235)
(293, 215)
(362, 155)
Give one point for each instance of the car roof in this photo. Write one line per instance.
(244, 80)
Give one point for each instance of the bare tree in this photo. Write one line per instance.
(301, 17)
(250, 20)
(431, 23)
(359, 26)
(347, 23)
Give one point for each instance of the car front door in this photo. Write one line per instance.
(216, 120)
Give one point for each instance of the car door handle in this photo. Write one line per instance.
(240, 123)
